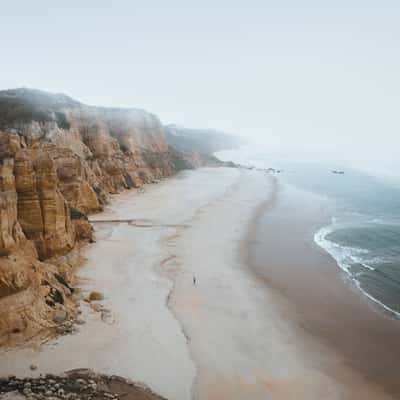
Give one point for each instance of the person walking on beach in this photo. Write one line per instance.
(194, 280)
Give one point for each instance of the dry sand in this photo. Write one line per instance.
(226, 337)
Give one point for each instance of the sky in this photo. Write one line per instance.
(319, 78)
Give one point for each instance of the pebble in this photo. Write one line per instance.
(95, 296)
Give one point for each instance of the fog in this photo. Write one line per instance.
(312, 79)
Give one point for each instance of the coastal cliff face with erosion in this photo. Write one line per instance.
(59, 161)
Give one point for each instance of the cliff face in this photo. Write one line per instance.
(60, 160)
(35, 223)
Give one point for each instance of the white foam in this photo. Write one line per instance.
(368, 267)
(342, 254)
(387, 308)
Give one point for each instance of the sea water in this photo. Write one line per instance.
(363, 235)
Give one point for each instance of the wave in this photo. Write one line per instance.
(346, 257)
(375, 300)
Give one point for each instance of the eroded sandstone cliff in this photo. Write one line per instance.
(60, 160)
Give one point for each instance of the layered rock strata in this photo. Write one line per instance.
(59, 161)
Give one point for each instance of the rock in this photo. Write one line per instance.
(42, 210)
(14, 395)
(95, 296)
(96, 307)
(60, 330)
(59, 316)
(33, 367)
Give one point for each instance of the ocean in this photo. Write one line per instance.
(363, 235)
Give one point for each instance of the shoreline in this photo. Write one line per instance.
(319, 239)
(322, 299)
(227, 335)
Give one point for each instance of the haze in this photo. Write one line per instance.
(321, 80)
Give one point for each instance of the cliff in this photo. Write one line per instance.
(203, 142)
(59, 161)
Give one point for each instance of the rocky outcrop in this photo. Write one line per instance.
(43, 211)
(35, 224)
(59, 161)
(81, 384)
(10, 230)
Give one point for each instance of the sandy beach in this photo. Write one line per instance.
(231, 335)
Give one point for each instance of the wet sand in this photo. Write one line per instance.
(228, 336)
(323, 300)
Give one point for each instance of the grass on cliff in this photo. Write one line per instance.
(13, 111)
(26, 105)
